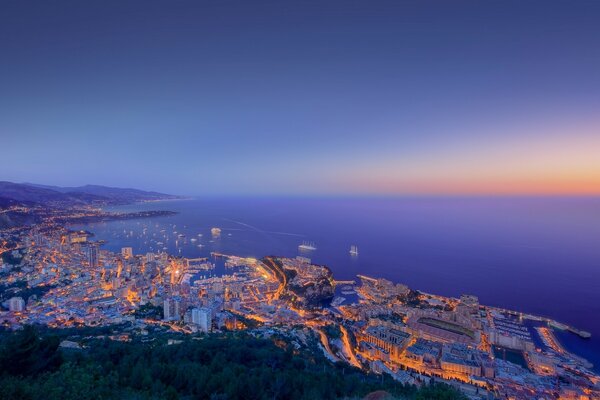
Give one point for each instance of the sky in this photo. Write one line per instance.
(303, 97)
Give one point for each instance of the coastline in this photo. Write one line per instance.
(342, 270)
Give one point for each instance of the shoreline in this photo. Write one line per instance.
(526, 315)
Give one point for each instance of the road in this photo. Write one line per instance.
(271, 264)
(348, 346)
(325, 343)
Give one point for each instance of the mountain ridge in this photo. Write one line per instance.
(29, 193)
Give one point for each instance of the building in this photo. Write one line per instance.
(16, 304)
(392, 341)
(92, 255)
(39, 239)
(127, 252)
(469, 300)
(172, 309)
(424, 351)
(177, 308)
(459, 358)
(78, 237)
(203, 318)
(167, 310)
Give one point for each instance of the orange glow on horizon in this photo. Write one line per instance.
(559, 162)
(517, 186)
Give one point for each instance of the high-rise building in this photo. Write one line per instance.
(203, 318)
(92, 253)
(176, 308)
(163, 257)
(16, 304)
(167, 310)
(172, 309)
(127, 252)
(119, 268)
(38, 239)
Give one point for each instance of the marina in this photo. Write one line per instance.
(396, 262)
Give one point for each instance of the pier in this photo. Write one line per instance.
(580, 333)
(366, 278)
(335, 283)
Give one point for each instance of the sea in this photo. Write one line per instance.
(539, 255)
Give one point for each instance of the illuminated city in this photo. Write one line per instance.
(300, 200)
(71, 281)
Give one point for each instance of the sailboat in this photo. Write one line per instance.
(307, 246)
(354, 250)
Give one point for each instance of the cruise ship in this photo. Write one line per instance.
(307, 246)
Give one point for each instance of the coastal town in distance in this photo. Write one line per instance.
(59, 277)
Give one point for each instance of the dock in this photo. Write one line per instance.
(580, 333)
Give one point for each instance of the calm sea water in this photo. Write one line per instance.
(537, 255)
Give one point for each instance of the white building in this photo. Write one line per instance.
(167, 310)
(203, 318)
(92, 254)
(16, 304)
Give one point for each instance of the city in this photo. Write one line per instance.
(62, 278)
(300, 200)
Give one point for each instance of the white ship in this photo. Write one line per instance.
(354, 250)
(337, 301)
(307, 246)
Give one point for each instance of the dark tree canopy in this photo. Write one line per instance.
(213, 367)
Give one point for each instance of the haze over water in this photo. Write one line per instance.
(536, 255)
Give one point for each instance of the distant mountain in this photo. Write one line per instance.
(28, 193)
(120, 194)
(7, 202)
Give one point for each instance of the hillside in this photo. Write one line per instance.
(217, 366)
(28, 194)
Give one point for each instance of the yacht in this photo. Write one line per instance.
(307, 246)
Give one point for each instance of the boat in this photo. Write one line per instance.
(307, 246)
(337, 301)
(193, 239)
(354, 250)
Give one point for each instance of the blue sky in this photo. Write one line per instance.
(311, 97)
